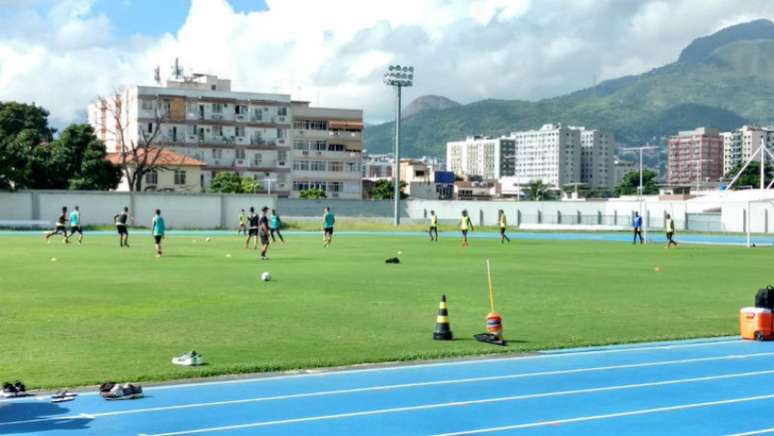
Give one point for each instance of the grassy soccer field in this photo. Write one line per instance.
(100, 312)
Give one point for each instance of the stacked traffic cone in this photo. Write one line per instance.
(442, 328)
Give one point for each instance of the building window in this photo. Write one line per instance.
(240, 153)
(282, 111)
(239, 131)
(317, 165)
(257, 158)
(147, 105)
(257, 114)
(319, 145)
(300, 145)
(301, 165)
(217, 130)
(217, 108)
(217, 153)
(280, 133)
(282, 156)
(152, 178)
(335, 186)
(150, 127)
(179, 177)
(335, 147)
(336, 167)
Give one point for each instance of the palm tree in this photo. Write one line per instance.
(536, 190)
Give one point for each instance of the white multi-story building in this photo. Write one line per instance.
(243, 132)
(486, 157)
(327, 151)
(551, 154)
(740, 144)
(597, 158)
(378, 166)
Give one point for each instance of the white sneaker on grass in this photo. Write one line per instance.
(191, 358)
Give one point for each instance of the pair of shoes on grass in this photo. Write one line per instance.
(117, 391)
(192, 358)
(13, 390)
(62, 396)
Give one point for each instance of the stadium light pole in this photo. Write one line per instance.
(398, 77)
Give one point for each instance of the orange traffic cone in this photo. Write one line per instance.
(442, 328)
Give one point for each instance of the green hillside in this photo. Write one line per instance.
(723, 80)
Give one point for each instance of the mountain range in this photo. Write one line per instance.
(722, 80)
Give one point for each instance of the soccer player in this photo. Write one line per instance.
(121, 226)
(670, 231)
(637, 226)
(328, 220)
(503, 226)
(159, 227)
(75, 224)
(274, 226)
(263, 229)
(465, 225)
(433, 231)
(252, 231)
(60, 227)
(242, 223)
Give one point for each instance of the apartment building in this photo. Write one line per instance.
(740, 144)
(377, 166)
(253, 134)
(597, 158)
(551, 154)
(327, 150)
(695, 156)
(486, 157)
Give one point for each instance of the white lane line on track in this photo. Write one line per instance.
(405, 386)
(611, 415)
(750, 433)
(591, 352)
(480, 401)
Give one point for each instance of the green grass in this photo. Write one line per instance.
(100, 312)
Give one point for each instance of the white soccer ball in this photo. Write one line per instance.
(266, 277)
(208, 239)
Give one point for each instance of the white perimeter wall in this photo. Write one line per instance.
(205, 211)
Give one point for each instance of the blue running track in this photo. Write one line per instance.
(703, 387)
(655, 237)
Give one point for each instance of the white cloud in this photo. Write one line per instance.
(333, 52)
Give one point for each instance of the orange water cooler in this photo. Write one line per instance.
(755, 323)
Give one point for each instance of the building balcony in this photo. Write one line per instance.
(266, 166)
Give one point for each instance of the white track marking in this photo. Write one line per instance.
(591, 352)
(750, 433)
(401, 386)
(411, 385)
(488, 401)
(611, 415)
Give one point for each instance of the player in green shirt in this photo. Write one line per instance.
(465, 226)
(503, 221)
(242, 223)
(159, 228)
(75, 224)
(328, 220)
(433, 231)
(670, 231)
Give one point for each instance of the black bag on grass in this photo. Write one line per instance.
(765, 297)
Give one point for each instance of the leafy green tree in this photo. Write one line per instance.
(313, 194)
(23, 129)
(751, 175)
(81, 157)
(384, 190)
(538, 191)
(631, 182)
(233, 183)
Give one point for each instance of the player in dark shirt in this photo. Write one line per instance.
(252, 229)
(121, 222)
(263, 230)
(60, 227)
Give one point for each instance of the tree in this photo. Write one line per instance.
(233, 183)
(133, 158)
(23, 129)
(313, 194)
(751, 175)
(538, 191)
(384, 190)
(81, 156)
(631, 182)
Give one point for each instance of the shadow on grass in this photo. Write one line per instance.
(37, 417)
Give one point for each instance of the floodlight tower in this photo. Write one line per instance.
(398, 77)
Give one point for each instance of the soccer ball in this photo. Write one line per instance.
(265, 277)
(208, 239)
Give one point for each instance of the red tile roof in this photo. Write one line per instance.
(158, 157)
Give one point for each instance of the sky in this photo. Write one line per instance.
(61, 54)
